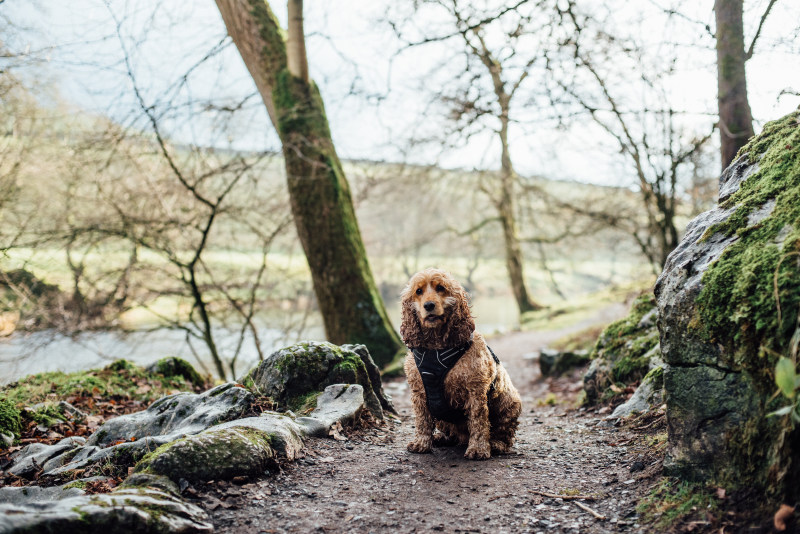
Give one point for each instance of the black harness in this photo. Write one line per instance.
(433, 366)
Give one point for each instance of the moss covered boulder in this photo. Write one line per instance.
(295, 376)
(216, 454)
(173, 366)
(624, 353)
(728, 304)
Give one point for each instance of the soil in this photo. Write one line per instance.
(370, 483)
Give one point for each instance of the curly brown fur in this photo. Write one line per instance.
(436, 315)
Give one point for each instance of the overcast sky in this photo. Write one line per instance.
(374, 97)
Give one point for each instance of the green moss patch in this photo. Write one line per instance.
(174, 367)
(214, 455)
(737, 306)
(10, 422)
(47, 414)
(625, 345)
(120, 379)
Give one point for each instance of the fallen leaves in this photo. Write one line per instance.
(337, 432)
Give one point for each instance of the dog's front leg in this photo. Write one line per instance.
(423, 434)
(478, 425)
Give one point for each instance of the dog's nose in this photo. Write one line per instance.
(429, 306)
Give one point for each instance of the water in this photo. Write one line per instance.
(24, 353)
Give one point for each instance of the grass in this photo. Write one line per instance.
(672, 502)
(120, 379)
(583, 307)
(549, 400)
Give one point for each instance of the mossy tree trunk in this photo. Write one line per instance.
(322, 206)
(735, 118)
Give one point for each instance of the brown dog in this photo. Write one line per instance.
(472, 403)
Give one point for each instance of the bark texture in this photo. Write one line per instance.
(735, 118)
(349, 301)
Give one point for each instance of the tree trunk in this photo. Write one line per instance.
(735, 119)
(349, 301)
(505, 208)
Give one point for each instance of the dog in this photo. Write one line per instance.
(460, 392)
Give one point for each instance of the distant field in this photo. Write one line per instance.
(492, 299)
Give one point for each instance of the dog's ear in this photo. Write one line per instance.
(462, 325)
(410, 329)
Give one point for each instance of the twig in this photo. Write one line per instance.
(651, 423)
(587, 509)
(565, 497)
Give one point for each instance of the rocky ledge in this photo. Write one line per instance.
(187, 438)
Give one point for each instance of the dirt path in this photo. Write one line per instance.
(370, 483)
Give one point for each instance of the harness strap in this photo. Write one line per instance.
(433, 366)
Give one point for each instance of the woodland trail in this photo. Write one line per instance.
(370, 483)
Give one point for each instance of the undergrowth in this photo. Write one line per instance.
(672, 503)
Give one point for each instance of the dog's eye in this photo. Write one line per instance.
(439, 288)
(419, 291)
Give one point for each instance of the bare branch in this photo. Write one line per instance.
(761, 21)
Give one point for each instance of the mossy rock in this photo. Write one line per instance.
(212, 455)
(293, 376)
(173, 366)
(556, 363)
(728, 300)
(128, 509)
(624, 351)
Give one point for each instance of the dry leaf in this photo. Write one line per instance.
(783, 514)
(336, 432)
(720, 493)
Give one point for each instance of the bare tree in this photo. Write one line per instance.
(658, 142)
(144, 223)
(481, 97)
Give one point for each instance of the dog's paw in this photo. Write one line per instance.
(419, 446)
(478, 453)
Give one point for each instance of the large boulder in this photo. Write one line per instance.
(295, 376)
(247, 447)
(728, 302)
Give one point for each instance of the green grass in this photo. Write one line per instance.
(121, 379)
(672, 502)
(565, 314)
